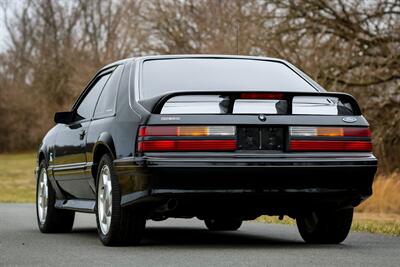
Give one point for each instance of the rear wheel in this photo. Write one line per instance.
(325, 227)
(227, 224)
(50, 219)
(115, 225)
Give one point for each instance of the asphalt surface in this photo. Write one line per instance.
(177, 242)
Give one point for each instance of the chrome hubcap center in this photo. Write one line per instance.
(43, 196)
(104, 199)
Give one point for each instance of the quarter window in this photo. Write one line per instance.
(106, 104)
(86, 107)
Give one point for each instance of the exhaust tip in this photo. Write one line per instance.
(171, 204)
(167, 206)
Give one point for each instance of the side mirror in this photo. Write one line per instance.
(63, 117)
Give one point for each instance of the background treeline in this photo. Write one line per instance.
(55, 46)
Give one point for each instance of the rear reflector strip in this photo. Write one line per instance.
(187, 145)
(329, 131)
(308, 145)
(187, 131)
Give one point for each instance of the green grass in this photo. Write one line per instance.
(17, 180)
(389, 227)
(374, 226)
(17, 184)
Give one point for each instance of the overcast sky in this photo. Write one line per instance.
(3, 34)
(12, 5)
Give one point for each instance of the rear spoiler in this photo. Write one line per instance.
(156, 104)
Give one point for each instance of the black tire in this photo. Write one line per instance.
(55, 220)
(226, 224)
(325, 227)
(126, 226)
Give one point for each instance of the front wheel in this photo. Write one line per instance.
(50, 219)
(325, 227)
(226, 224)
(115, 225)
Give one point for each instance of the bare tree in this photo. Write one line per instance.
(55, 46)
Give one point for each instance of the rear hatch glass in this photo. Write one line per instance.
(162, 76)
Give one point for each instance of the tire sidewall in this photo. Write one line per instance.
(332, 227)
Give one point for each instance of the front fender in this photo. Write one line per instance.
(45, 150)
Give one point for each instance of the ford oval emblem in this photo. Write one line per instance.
(350, 119)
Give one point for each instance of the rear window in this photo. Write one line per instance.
(161, 76)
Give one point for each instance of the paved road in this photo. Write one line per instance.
(178, 242)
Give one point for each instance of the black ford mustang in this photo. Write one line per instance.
(220, 138)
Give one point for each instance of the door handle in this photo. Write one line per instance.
(82, 134)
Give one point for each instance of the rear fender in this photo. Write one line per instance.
(105, 139)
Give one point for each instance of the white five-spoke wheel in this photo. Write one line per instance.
(104, 199)
(42, 196)
(49, 218)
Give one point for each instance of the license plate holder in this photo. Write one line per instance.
(260, 138)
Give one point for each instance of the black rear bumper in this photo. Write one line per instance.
(255, 184)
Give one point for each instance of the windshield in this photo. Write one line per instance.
(161, 76)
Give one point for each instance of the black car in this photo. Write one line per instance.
(220, 138)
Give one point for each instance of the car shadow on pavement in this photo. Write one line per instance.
(198, 237)
(156, 236)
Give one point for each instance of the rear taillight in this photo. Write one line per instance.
(187, 131)
(329, 132)
(187, 138)
(330, 138)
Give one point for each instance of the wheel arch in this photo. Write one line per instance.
(40, 156)
(104, 145)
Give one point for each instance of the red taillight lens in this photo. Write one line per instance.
(187, 145)
(277, 96)
(187, 138)
(312, 145)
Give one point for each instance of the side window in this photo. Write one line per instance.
(86, 107)
(106, 104)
